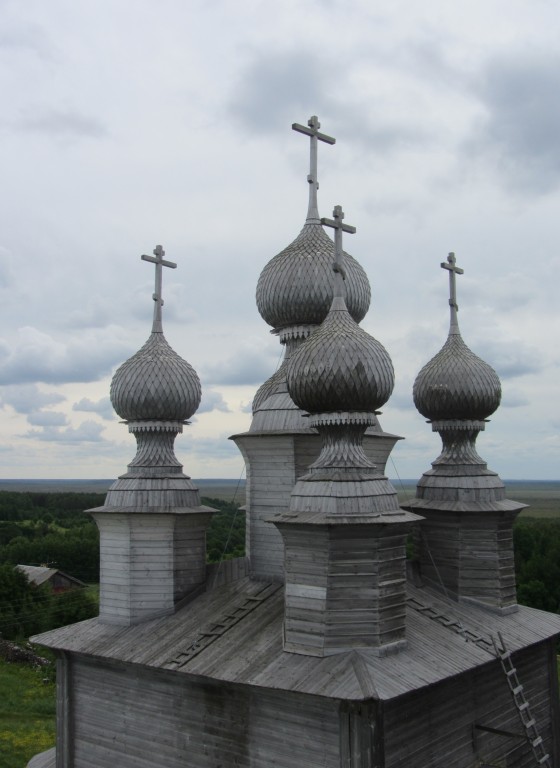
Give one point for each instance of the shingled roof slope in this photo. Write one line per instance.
(234, 634)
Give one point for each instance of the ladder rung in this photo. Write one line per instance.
(537, 742)
(530, 724)
(544, 759)
(511, 672)
(517, 690)
(523, 706)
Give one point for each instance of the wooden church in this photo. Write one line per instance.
(326, 647)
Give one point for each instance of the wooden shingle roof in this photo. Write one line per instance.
(234, 634)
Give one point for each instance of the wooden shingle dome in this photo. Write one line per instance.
(340, 367)
(456, 384)
(155, 384)
(296, 286)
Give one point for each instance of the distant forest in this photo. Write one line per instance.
(53, 529)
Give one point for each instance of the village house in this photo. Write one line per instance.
(56, 579)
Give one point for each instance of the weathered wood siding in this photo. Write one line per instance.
(274, 462)
(226, 571)
(472, 554)
(345, 587)
(132, 717)
(271, 475)
(378, 445)
(148, 563)
(434, 727)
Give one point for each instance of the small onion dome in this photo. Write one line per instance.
(155, 384)
(296, 286)
(456, 384)
(340, 368)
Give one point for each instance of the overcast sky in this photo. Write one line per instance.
(128, 123)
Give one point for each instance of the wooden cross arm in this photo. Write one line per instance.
(452, 268)
(339, 225)
(313, 132)
(154, 260)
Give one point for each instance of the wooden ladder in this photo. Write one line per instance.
(521, 703)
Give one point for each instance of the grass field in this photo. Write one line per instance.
(27, 713)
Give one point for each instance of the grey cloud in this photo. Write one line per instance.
(401, 400)
(47, 419)
(95, 313)
(214, 448)
(102, 407)
(34, 356)
(25, 398)
(7, 270)
(62, 124)
(247, 366)
(276, 86)
(212, 401)
(376, 132)
(25, 37)
(509, 358)
(520, 134)
(86, 432)
(514, 400)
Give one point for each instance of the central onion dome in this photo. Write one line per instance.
(155, 384)
(340, 368)
(457, 384)
(296, 286)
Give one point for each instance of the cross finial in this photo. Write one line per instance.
(339, 227)
(454, 307)
(313, 132)
(159, 261)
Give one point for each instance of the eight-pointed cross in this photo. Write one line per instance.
(338, 226)
(313, 132)
(453, 270)
(159, 261)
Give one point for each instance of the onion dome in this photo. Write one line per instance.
(340, 368)
(456, 383)
(296, 286)
(155, 384)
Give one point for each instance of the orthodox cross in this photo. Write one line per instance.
(160, 262)
(453, 270)
(338, 266)
(313, 132)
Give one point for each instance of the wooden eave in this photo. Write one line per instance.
(506, 505)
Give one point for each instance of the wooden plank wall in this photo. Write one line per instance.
(227, 571)
(473, 555)
(345, 588)
(434, 727)
(148, 563)
(138, 718)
